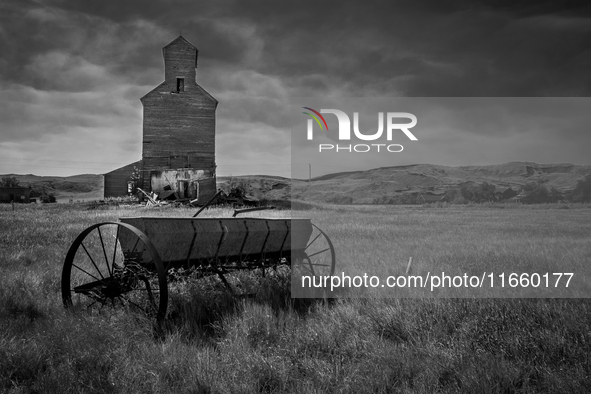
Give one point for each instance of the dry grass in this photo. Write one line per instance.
(463, 239)
(214, 343)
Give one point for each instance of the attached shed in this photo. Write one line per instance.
(119, 182)
(16, 194)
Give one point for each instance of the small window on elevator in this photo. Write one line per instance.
(180, 84)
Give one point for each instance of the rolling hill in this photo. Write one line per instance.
(364, 187)
(77, 187)
(358, 187)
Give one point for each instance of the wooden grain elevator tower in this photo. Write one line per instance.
(178, 143)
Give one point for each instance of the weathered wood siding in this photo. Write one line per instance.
(179, 126)
(180, 60)
(115, 182)
(207, 189)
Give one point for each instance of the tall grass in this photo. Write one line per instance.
(214, 342)
(455, 240)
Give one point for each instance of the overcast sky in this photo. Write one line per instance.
(72, 73)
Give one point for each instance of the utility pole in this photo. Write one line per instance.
(309, 176)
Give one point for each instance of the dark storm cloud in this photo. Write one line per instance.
(72, 67)
(428, 48)
(406, 48)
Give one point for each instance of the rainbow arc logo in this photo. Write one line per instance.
(315, 118)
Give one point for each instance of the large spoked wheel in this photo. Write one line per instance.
(318, 258)
(114, 265)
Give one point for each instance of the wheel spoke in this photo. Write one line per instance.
(133, 303)
(310, 270)
(314, 240)
(91, 259)
(310, 266)
(150, 295)
(115, 248)
(94, 302)
(134, 246)
(322, 251)
(104, 252)
(74, 265)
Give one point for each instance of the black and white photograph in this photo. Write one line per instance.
(295, 197)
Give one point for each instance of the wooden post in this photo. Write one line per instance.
(408, 265)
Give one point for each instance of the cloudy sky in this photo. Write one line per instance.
(72, 73)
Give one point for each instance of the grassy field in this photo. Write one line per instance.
(215, 343)
(456, 239)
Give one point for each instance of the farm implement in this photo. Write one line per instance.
(132, 263)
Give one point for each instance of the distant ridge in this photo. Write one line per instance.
(360, 187)
(75, 187)
(364, 187)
